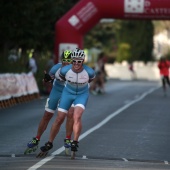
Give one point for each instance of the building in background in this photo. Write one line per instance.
(161, 44)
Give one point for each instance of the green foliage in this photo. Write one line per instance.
(124, 52)
(101, 36)
(27, 25)
(118, 35)
(139, 36)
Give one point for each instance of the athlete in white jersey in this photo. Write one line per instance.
(76, 90)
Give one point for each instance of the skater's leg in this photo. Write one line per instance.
(43, 124)
(167, 80)
(56, 125)
(69, 128)
(53, 132)
(79, 108)
(69, 123)
(77, 126)
(163, 84)
(50, 108)
(94, 85)
(33, 144)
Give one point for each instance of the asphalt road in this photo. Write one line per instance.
(126, 128)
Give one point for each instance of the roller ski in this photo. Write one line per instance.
(67, 145)
(74, 146)
(44, 150)
(32, 146)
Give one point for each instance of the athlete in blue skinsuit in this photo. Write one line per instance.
(52, 103)
(76, 90)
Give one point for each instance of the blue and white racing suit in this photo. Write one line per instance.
(56, 91)
(76, 89)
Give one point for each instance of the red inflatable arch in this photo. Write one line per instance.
(71, 28)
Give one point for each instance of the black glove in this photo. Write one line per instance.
(47, 78)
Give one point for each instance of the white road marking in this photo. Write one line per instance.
(84, 157)
(166, 162)
(13, 155)
(125, 159)
(58, 151)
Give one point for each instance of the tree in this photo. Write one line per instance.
(124, 52)
(139, 36)
(29, 24)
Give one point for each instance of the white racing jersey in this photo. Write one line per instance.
(77, 83)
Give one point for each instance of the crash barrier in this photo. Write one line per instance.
(17, 88)
(142, 71)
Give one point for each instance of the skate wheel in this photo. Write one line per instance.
(73, 154)
(42, 154)
(30, 150)
(67, 151)
(27, 151)
(34, 149)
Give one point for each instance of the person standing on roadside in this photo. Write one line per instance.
(163, 66)
(32, 64)
(97, 86)
(132, 71)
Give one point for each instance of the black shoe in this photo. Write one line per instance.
(74, 146)
(46, 147)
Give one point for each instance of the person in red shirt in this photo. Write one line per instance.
(163, 66)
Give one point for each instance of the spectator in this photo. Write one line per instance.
(132, 71)
(97, 86)
(50, 63)
(163, 66)
(32, 64)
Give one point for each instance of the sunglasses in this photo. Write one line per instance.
(67, 60)
(78, 61)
